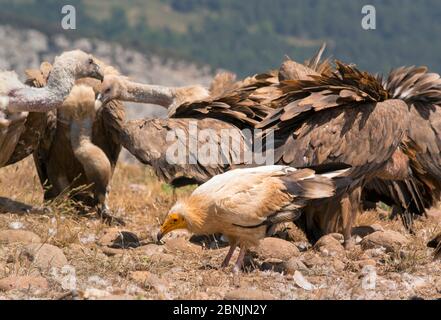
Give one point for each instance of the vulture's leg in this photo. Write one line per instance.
(96, 165)
(240, 259)
(227, 259)
(104, 211)
(349, 210)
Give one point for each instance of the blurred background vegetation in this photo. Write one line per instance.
(252, 35)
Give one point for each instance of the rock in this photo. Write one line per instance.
(294, 264)
(369, 278)
(434, 214)
(276, 250)
(300, 280)
(66, 277)
(366, 262)
(23, 283)
(362, 231)
(23, 236)
(329, 245)
(116, 297)
(95, 294)
(390, 240)
(181, 245)
(313, 260)
(156, 254)
(16, 225)
(148, 280)
(44, 256)
(248, 294)
(116, 239)
(338, 264)
(150, 249)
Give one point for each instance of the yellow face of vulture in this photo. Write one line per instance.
(173, 221)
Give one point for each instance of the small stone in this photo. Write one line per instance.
(14, 236)
(278, 249)
(329, 246)
(248, 294)
(313, 260)
(111, 252)
(148, 280)
(181, 245)
(363, 231)
(95, 294)
(44, 256)
(294, 264)
(16, 225)
(366, 262)
(338, 265)
(300, 280)
(434, 214)
(390, 240)
(150, 249)
(114, 297)
(369, 278)
(116, 239)
(23, 283)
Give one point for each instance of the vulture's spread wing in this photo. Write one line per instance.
(36, 122)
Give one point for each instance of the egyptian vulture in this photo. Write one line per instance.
(242, 203)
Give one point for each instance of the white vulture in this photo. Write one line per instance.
(242, 203)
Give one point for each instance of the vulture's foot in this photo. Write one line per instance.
(349, 243)
(109, 219)
(239, 263)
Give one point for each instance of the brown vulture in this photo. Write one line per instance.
(421, 91)
(342, 120)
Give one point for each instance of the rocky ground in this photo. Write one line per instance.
(60, 255)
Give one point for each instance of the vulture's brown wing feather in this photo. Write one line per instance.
(35, 121)
(422, 92)
(338, 119)
(147, 141)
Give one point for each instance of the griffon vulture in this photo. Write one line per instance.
(64, 165)
(341, 120)
(18, 99)
(422, 147)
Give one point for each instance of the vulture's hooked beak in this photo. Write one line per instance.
(97, 73)
(98, 101)
(172, 222)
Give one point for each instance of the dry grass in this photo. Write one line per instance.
(192, 273)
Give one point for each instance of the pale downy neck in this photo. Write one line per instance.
(60, 82)
(144, 93)
(196, 214)
(80, 133)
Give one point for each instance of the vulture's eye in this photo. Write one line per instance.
(175, 220)
(90, 60)
(107, 90)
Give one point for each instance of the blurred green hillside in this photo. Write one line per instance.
(249, 36)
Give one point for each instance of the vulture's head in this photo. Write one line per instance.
(84, 64)
(176, 219)
(111, 88)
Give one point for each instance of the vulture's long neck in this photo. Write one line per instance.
(60, 82)
(143, 93)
